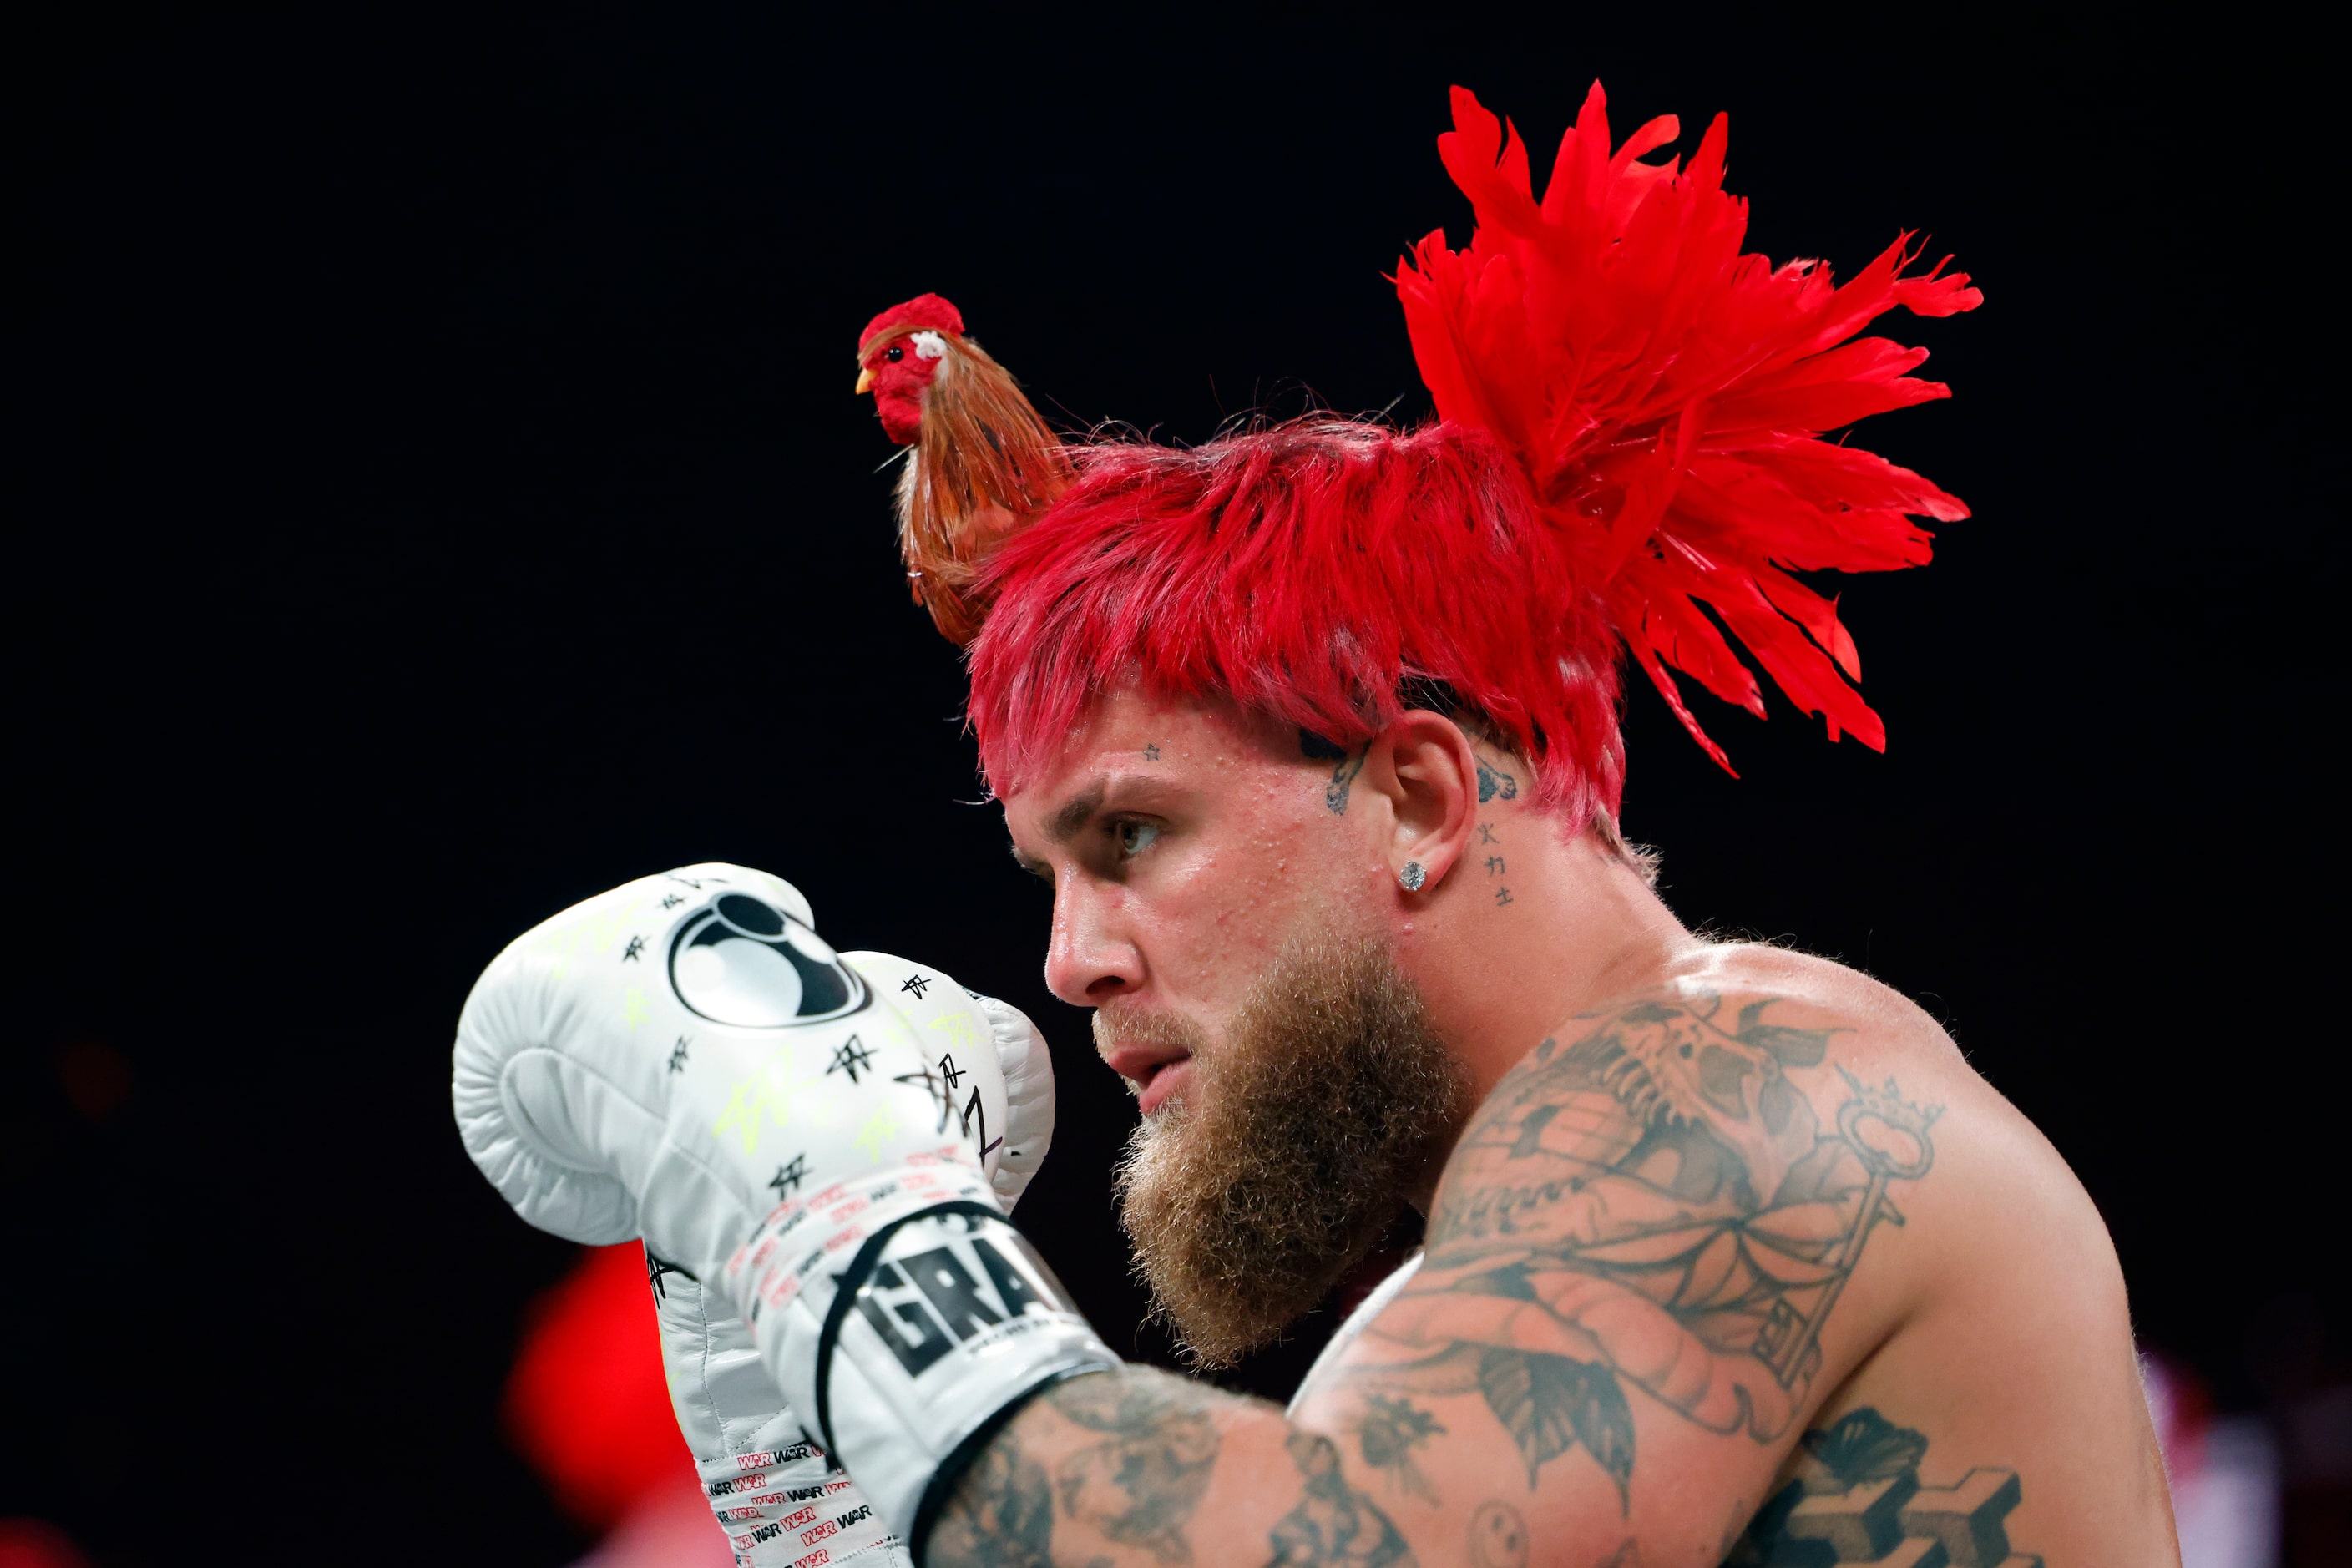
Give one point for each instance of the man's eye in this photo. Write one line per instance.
(1134, 837)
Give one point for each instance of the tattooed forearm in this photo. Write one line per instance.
(1856, 1497)
(1114, 1468)
(1147, 1448)
(1140, 1485)
(1001, 1514)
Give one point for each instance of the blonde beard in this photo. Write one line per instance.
(1282, 1163)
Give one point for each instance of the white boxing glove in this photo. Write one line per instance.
(709, 981)
(685, 1059)
(1025, 1065)
(1028, 1070)
(776, 1493)
(549, 1176)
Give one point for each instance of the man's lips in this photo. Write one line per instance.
(1155, 1073)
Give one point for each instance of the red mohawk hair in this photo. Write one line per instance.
(1667, 396)
(1307, 572)
(1632, 419)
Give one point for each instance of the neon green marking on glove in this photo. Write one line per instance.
(879, 1129)
(961, 1031)
(633, 1010)
(595, 933)
(564, 943)
(764, 1097)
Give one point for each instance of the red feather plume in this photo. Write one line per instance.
(1668, 395)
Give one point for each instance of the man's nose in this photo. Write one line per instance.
(1089, 959)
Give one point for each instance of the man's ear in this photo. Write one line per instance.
(1421, 766)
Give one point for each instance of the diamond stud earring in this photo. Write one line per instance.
(1413, 876)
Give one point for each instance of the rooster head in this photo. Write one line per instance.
(898, 354)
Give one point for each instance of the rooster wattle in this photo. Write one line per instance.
(981, 462)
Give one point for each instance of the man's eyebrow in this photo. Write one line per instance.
(1066, 823)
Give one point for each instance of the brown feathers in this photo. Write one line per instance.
(983, 466)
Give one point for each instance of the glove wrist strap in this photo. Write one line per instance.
(903, 1313)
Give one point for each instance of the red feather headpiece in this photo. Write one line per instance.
(1667, 396)
(1631, 421)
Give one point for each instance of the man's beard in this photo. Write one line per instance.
(1281, 1164)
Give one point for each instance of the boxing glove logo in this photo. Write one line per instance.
(742, 961)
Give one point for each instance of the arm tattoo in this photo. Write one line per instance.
(1139, 1486)
(1857, 1497)
(1001, 1513)
(1656, 1204)
(1333, 1523)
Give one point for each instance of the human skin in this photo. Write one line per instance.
(1737, 1249)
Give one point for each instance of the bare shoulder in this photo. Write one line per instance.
(1757, 1081)
(1807, 980)
(1751, 1124)
(1877, 1048)
(1763, 1202)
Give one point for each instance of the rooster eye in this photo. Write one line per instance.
(894, 354)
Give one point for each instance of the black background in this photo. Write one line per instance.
(439, 497)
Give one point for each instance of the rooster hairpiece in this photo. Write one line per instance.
(1665, 396)
(982, 464)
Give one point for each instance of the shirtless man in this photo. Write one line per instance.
(1730, 1256)
(1735, 1259)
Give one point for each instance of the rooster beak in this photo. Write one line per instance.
(864, 379)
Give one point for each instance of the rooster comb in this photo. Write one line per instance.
(923, 311)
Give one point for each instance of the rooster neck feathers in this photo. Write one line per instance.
(981, 463)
